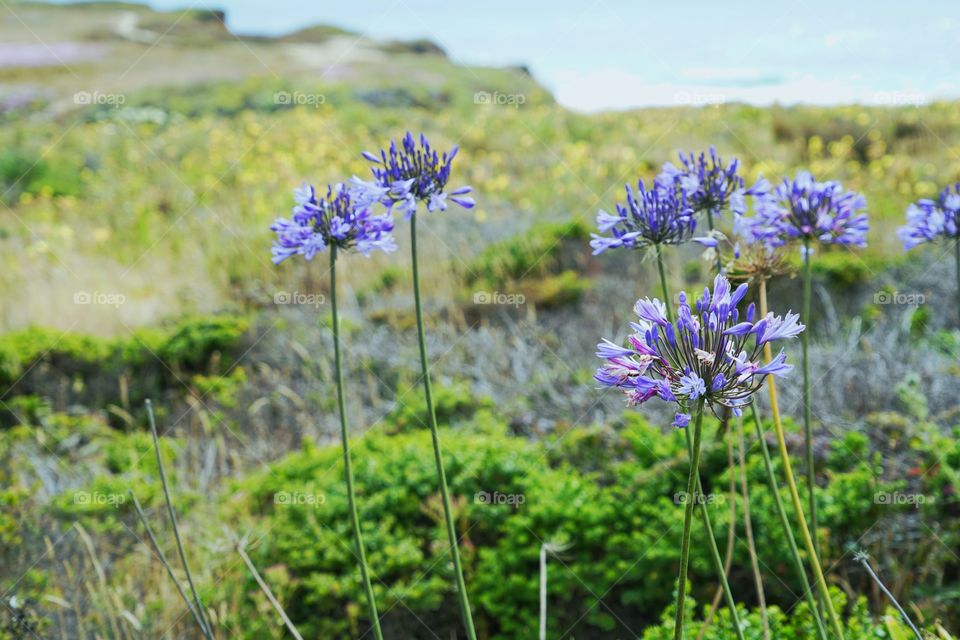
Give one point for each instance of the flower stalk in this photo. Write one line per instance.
(205, 627)
(347, 464)
(864, 559)
(792, 486)
(785, 523)
(807, 422)
(435, 436)
(748, 527)
(692, 496)
(711, 540)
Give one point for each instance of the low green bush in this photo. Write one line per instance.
(543, 265)
(615, 512)
(537, 252)
(190, 344)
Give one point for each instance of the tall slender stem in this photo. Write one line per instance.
(785, 523)
(731, 541)
(435, 435)
(710, 227)
(663, 284)
(164, 561)
(807, 425)
(792, 484)
(864, 559)
(748, 527)
(543, 591)
(265, 588)
(692, 496)
(711, 540)
(347, 465)
(206, 628)
(725, 433)
(718, 564)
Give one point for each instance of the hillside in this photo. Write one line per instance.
(143, 156)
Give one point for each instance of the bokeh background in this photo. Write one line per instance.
(144, 151)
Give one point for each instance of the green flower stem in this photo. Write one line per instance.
(663, 284)
(711, 540)
(347, 466)
(807, 426)
(725, 433)
(692, 496)
(206, 628)
(712, 544)
(434, 433)
(792, 484)
(785, 523)
(710, 227)
(166, 563)
(863, 559)
(748, 527)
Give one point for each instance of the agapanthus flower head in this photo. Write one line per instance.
(411, 173)
(709, 354)
(709, 184)
(654, 216)
(745, 259)
(805, 209)
(929, 220)
(336, 219)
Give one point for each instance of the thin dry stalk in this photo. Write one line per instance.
(266, 590)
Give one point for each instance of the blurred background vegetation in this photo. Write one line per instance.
(143, 156)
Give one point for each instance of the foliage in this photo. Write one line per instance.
(544, 265)
(516, 494)
(191, 343)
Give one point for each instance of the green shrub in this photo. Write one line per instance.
(542, 265)
(451, 403)
(608, 497)
(194, 341)
(537, 252)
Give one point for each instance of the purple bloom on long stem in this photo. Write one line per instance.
(406, 175)
(332, 220)
(930, 220)
(708, 184)
(650, 217)
(709, 353)
(810, 211)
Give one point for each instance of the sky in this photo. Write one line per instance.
(615, 54)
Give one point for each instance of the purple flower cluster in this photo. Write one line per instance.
(708, 354)
(708, 184)
(928, 220)
(412, 173)
(650, 217)
(805, 209)
(336, 219)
